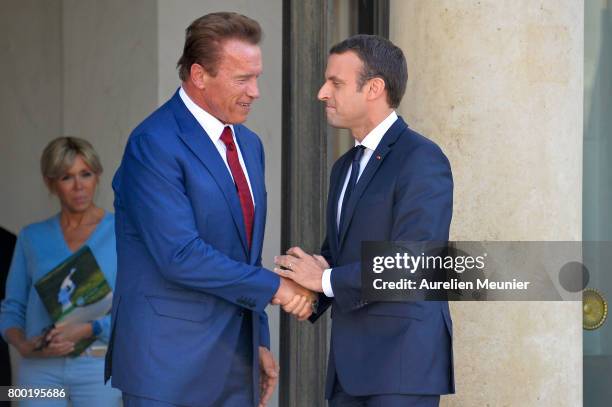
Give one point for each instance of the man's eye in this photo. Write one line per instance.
(86, 174)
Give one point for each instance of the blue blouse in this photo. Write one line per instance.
(41, 247)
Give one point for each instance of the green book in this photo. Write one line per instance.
(76, 291)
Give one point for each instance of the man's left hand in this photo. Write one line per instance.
(302, 268)
(268, 375)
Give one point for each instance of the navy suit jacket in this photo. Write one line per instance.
(405, 193)
(185, 273)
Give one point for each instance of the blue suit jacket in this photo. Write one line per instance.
(404, 194)
(185, 273)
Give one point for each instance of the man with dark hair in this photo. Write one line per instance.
(394, 185)
(189, 324)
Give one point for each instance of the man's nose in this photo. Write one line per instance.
(323, 93)
(253, 89)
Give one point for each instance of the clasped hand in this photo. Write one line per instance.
(60, 341)
(301, 280)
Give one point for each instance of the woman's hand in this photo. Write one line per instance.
(70, 333)
(64, 338)
(30, 348)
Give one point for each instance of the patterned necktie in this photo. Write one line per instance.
(357, 154)
(242, 186)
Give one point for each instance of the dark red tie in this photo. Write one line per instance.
(240, 180)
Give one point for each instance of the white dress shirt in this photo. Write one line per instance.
(370, 142)
(214, 128)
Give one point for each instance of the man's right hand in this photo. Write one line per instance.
(294, 299)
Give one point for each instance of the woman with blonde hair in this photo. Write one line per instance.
(71, 170)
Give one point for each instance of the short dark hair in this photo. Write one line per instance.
(205, 36)
(381, 59)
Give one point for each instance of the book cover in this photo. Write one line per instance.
(76, 291)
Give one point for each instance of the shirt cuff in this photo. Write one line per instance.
(326, 283)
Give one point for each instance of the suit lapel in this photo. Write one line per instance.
(200, 144)
(255, 175)
(373, 165)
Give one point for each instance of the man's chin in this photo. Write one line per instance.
(238, 119)
(334, 123)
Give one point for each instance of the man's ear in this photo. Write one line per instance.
(376, 88)
(199, 76)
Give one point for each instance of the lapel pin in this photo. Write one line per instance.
(378, 157)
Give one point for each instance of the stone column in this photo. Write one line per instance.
(303, 346)
(499, 85)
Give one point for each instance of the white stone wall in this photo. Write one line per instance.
(499, 85)
(30, 105)
(109, 72)
(79, 68)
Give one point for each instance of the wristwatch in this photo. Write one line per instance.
(314, 306)
(96, 328)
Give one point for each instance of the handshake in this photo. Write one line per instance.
(301, 281)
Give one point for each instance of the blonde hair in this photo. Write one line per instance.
(58, 156)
